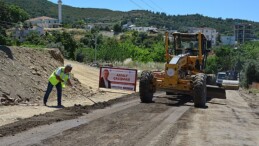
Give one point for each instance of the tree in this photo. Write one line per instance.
(84, 55)
(250, 73)
(117, 28)
(224, 58)
(12, 14)
(3, 39)
(107, 28)
(9, 15)
(88, 40)
(34, 38)
(158, 53)
(218, 39)
(17, 14)
(211, 66)
(25, 25)
(70, 45)
(109, 50)
(79, 24)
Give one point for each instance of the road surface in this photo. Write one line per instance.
(170, 120)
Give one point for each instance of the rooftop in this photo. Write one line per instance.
(41, 18)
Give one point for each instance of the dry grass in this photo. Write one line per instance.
(78, 37)
(253, 91)
(153, 66)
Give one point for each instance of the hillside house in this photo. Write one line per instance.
(210, 33)
(244, 32)
(44, 22)
(127, 26)
(143, 29)
(227, 40)
(21, 33)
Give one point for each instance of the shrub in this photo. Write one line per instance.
(250, 73)
(84, 55)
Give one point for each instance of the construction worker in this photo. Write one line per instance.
(59, 78)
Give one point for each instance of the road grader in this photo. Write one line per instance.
(184, 69)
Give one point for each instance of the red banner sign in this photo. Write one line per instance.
(118, 78)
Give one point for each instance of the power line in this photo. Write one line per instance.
(162, 10)
(148, 5)
(136, 4)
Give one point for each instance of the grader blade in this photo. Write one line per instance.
(216, 92)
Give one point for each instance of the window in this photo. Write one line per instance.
(221, 76)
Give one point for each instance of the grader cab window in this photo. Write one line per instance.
(183, 45)
(188, 43)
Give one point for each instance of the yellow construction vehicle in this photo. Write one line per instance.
(184, 69)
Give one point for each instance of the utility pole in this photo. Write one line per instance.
(60, 11)
(244, 33)
(95, 47)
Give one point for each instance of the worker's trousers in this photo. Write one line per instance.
(49, 89)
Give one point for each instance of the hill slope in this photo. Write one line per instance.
(24, 75)
(46, 8)
(139, 17)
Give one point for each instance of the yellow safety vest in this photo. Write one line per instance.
(54, 81)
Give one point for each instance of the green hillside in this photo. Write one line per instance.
(46, 8)
(139, 17)
(181, 22)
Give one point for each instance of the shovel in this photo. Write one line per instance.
(86, 97)
(91, 100)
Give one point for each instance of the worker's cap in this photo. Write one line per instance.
(68, 66)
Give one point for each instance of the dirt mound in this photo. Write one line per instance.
(24, 75)
(66, 113)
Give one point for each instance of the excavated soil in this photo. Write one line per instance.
(252, 100)
(24, 75)
(66, 113)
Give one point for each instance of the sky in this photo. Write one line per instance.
(240, 9)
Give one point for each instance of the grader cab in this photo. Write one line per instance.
(184, 69)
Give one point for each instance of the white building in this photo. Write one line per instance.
(227, 40)
(210, 33)
(21, 33)
(44, 22)
(128, 25)
(143, 29)
(89, 26)
(38, 24)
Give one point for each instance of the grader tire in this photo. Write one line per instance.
(145, 87)
(200, 90)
